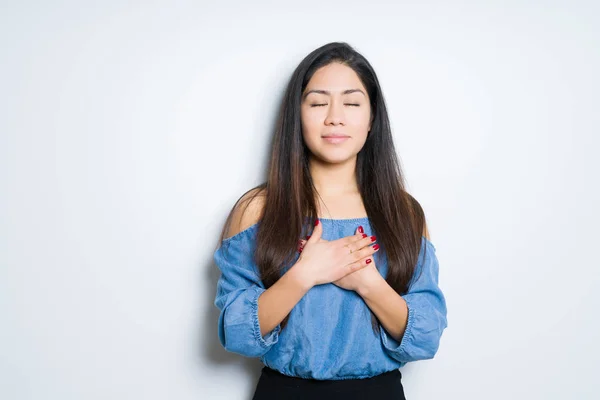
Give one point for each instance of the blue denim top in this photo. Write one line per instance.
(329, 334)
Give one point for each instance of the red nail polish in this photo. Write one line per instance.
(373, 238)
(300, 250)
(376, 247)
(364, 235)
(368, 261)
(360, 229)
(308, 237)
(316, 222)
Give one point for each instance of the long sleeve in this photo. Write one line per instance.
(238, 289)
(427, 312)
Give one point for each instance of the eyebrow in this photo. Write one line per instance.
(326, 92)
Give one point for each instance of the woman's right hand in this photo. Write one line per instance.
(323, 261)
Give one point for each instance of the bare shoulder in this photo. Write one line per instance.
(247, 211)
(418, 212)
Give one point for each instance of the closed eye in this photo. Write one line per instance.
(347, 104)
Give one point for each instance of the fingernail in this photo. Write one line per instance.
(373, 238)
(316, 222)
(360, 229)
(376, 247)
(368, 261)
(308, 237)
(364, 235)
(300, 250)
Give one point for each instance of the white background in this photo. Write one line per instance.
(129, 129)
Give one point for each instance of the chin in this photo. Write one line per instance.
(333, 158)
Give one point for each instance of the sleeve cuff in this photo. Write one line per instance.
(392, 344)
(270, 338)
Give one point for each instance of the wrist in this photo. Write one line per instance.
(297, 273)
(369, 286)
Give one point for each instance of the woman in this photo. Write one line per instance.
(327, 272)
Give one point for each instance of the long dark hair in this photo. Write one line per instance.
(288, 195)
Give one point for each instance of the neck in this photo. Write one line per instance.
(334, 179)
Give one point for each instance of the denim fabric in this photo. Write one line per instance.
(329, 334)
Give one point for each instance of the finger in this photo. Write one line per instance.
(360, 264)
(316, 233)
(362, 242)
(365, 252)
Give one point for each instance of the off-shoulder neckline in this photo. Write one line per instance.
(327, 220)
(344, 219)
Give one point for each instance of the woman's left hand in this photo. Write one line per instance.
(358, 279)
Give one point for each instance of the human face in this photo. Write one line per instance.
(335, 113)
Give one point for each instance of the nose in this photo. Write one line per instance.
(335, 113)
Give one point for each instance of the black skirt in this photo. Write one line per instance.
(274, 385)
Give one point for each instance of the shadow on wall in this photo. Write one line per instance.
(210, 349)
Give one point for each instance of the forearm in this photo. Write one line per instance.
(389, 307)
(275, 303)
